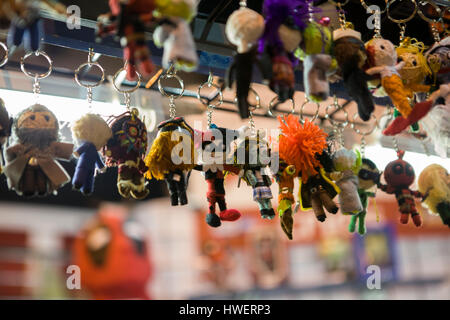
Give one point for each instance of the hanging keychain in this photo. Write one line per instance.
(351, 56)
(214, 145)
(128, 145)
(252, 167)
(346, 165)
(399, 175)
(315, 52)
(91, 134)
(32, 168)
(368, 178)
(243, 29)
(163, 161)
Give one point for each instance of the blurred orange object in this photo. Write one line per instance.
(113, 256)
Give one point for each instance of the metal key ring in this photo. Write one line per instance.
(316, 114)
(170, 76)
(365, 6)
(137, 86)
(272, 102)
(210, 84)
(388, 4)
(36, 75)
(5, 58)
(424, 17)
(366, 133)
(338, 108)
(90, 64)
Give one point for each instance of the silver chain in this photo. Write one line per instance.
(127, 100)
(342, 18)
(89, 97)
(377, 24)
(363, 146)
(402, 31)
(36, 88)
(172, 107)
(396, 147)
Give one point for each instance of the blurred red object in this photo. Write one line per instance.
(113, 256)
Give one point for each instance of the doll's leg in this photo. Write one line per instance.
(212, 218)
(328, 202)
(181, 186)
(267, 212)
(79, 177)
(34, 36)
(226, 214)
(124, 183)
(27, 182)
(394, 88)
(143, 57)
(417, 219)
(128, 54)
(173, 190)
(88, 185)
(41, 182)
(352, 224)
(362, 222)
(318, 208)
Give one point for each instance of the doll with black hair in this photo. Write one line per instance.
(368, 177)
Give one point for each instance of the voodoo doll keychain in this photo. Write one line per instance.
(128, 145)
(214, 146)
(91, 133)
(162, 162)
(32, 168)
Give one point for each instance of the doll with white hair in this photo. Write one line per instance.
(91, 133)
(243, 29)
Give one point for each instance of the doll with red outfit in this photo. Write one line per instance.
(215, 142)
(399, 175)
(128, 20)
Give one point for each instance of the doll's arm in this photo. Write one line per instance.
(62, 150)
(386, 188)
(99, 162)
(400, 66)
(417, 194)
(13, 151)
(374, 70)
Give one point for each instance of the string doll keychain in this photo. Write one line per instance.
(382, 61)
(26, 26)
(253, 168)
(304, 146)
(284, 20)
(315, 52)
(434, 183)
(433, 65)
(91, 134)
(399, 175)
(128, 20)
(173, 33)
(368, 178)
(243, 29)
(285, 177)
(165, 163)
(346, 164)
(351, 56)
(127, 147)
(214, 146)
(6, 121)
(32, 168)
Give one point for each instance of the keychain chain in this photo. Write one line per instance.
(342, 18)
(172, 107)
(435, 32)
(363, 146)
(402, 31)
(36, 88)
(127, 100)
(377, 24)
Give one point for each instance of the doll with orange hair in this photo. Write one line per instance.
(304, 147)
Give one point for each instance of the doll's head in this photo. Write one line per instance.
(292, 15)
(368, 175)
(92, 128)
(185, 9)
(381, 52)
(438, 58)
(416, 68)
(434, 181)
(399, 173)
(244, 28)
(130, 133)
(345, 159)
(316, 39)
(37, 126)
(5, 123)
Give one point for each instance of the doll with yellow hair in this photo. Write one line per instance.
(171, 157)
(92, 133)
(174, 33)
(434, 183)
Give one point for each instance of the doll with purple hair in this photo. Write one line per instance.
(284, 20)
